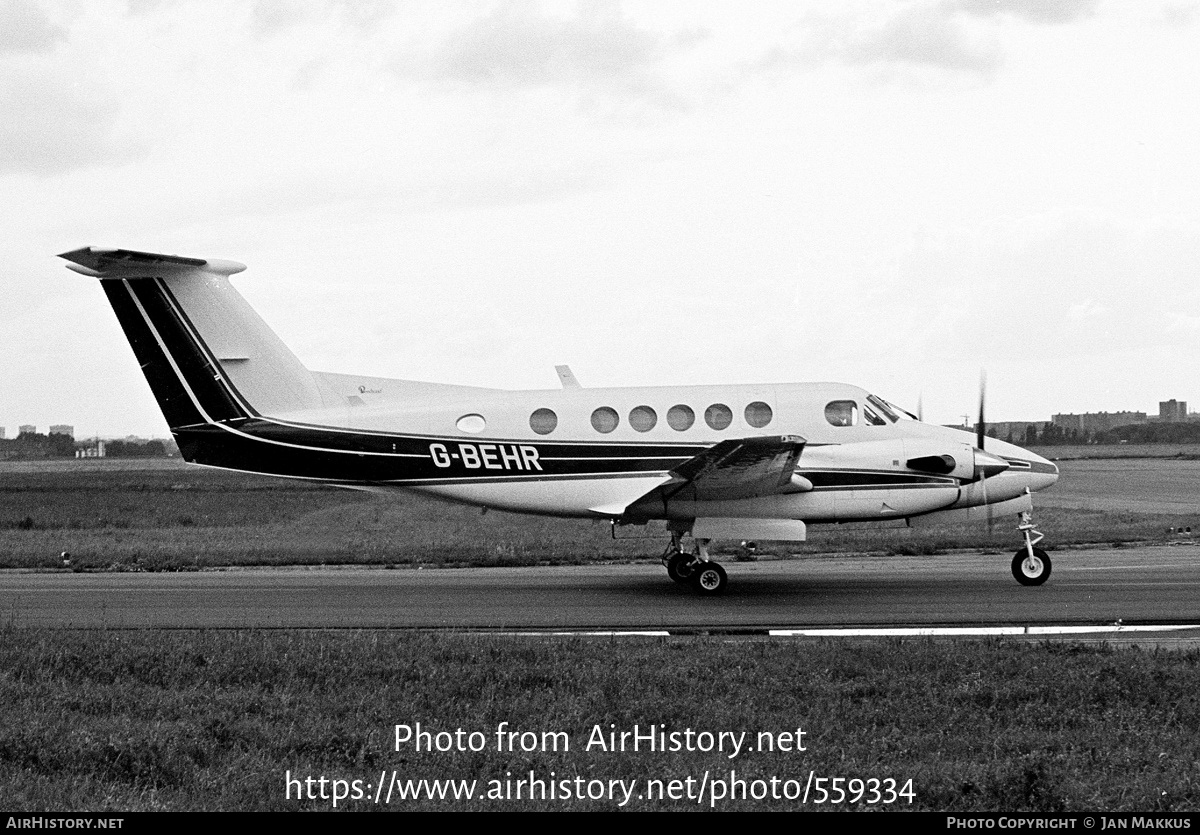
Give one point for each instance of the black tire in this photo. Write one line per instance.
(1031, 572)
(680, 568)
(709, 578)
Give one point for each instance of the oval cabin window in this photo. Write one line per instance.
(543, 421)
(471, 423)
(718, 416)
(681, 417)
(758, 414)
(605, 420)
(643, 418)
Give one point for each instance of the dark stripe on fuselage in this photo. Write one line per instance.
(261, 445)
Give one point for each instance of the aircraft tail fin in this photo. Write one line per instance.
(207, 355)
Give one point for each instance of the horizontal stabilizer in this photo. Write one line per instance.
(101, 262)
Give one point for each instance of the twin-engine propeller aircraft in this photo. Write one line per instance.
(715, 462)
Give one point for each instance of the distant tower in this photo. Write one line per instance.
(1172, 411)
(1, 433)
(63, 429)
(27, 429)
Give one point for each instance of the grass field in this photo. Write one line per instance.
(1146, 485)
(163, 515)
(1066, 452)
(215, 720)
(180, 518)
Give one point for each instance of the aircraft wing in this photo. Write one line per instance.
(740, 468)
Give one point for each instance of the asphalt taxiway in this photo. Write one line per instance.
(1147, 585)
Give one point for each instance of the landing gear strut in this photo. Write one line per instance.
(694, 569)
(1030, 565)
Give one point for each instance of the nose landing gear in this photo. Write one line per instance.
(1030, 565)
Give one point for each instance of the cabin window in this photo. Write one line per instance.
(605, 420)
(758, 414)
(474, 424)
(718, 416)
(842, 412)
(681, 417)
(643, 418)
(543, 421)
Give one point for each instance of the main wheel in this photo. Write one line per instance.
(709, 578)
(1031, 571)
(680, 568)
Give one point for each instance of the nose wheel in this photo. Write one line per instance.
(1030, 565)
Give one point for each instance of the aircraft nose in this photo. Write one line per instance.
(1044, 472)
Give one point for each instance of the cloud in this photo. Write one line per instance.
(1071, 282)
(50, 126)
(1031, 11)
(271, 17)
(924, 35)
(520, 46)
(1179, 16)
(952, 36)
(25, 28)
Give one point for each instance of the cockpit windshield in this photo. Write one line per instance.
(871, 417)
(890, 410)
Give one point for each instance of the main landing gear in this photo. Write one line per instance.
(1030, 565)
(696, 570)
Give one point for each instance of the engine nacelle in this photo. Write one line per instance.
(958, 460)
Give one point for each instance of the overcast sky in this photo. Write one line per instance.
(891, 194)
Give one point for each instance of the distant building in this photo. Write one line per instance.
(1, 433)
(27, 430)
(1092, 422)
(1172, 411)
(1015, 429)
(96, 450)
(62, 429)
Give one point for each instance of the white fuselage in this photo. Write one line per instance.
(483, 427)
